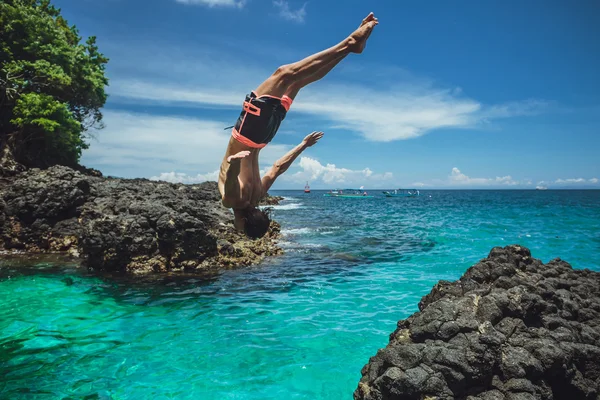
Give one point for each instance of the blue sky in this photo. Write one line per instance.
(470, 94)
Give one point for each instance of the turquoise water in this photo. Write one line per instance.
(300, 326)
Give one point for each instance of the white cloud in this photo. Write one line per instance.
(141, 75)
(575, 181)
(570, 180)
(310, 170)
(519, 108)
(168, 95)
(313, 171)
(188, 147)
(287, 13)
(215, 3)
(180, 177)
(387, 116)
(396, 107)
(457, 178)
(147, 145)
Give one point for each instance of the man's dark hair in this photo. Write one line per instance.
(256, 222)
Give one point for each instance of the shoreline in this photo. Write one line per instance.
(136, 226)
(510, 327)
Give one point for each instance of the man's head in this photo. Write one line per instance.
(256, 222)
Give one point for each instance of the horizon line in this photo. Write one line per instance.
(482, 189)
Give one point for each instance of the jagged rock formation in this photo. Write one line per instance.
(269, 200)
(133, 225)
(510, 328)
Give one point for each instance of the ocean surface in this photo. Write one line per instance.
(298, 326)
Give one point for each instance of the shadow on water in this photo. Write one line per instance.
(335, 243)
(120, 286)
(276, 275)
(282, 274)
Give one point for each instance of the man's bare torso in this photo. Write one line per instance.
(249, 178)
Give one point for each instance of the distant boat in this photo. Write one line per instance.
(306, 188)
(348, 193)
(402, 193)
(541, 188)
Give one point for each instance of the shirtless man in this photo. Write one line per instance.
(240, 183)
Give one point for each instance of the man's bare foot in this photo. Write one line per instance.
(358, 38)
(368, 18)
(238, 156)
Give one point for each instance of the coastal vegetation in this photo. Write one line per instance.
(52, 89)
(51, 86)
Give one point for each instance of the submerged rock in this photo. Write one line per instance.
(510, 328)
(132, 225)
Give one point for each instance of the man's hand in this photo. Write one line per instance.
(312, 138)
(240, 155)
(284, 162)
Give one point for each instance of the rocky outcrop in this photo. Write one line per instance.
(8, 165)
(510, 328)
(269, 200)
(132, 225)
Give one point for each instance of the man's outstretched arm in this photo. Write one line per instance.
(284, 162)
(231, 186)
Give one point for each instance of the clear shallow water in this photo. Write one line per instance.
(300, 326)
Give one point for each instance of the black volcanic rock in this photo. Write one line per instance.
(133, 225)
(269, 200)
(510, 328)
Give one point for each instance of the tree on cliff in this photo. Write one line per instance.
(51, 85)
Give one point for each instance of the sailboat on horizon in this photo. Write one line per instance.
(306, 188)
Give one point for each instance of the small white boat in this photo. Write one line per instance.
(402, 193)
(353, 193)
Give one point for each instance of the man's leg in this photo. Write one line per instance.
(287, 75)
(295, 87)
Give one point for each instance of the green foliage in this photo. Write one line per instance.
(51, 85)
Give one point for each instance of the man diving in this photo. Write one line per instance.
(263, 110)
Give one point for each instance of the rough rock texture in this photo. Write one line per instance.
(510, 328)
(269, 200)
(8, 166)
(133, 225)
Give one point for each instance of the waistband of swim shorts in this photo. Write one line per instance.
(286, 101)
(244, 140)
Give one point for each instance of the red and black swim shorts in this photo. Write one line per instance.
(260, 119)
